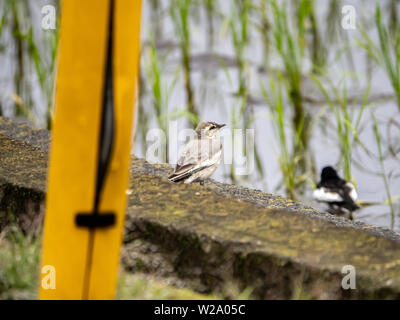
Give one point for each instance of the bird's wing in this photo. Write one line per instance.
(327, 195)
(189, 157)
(199, 152)
(183, 168)
(336, 191)
(188, 162)
(196, 155)
(352, 191)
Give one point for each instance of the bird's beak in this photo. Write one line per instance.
(221, 126)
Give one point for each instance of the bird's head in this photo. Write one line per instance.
(329, 173)
(208, 129)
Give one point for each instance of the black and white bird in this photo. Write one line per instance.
(201, 156)
(339, 194)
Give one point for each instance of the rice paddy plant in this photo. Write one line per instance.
(32, 53)
(22, 97)
(156, 17)
(159, 90)
(44, 66)
(264, 28)
(179, 11)
(2, 20)
(347, 122)
(239, 25)
(393, 15)
(235, 116)
(383, 171)
(142, 114)
(290, 48)
(343, 126)
(210, 7)
(239, 28)
(387, 54)
(306, 15)
(335, 34)
(288, 160)
(334, 14)
(235, 123)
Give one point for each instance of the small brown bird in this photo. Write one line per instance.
(201, 156)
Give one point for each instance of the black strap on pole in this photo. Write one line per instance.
(106, 141)
(95, 219)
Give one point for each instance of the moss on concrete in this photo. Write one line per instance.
(217, 236)
(247, 240)
(22, 183)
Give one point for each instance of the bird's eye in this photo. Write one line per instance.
(212, 127)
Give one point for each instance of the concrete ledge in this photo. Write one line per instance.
(215, 237)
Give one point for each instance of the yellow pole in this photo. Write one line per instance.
(81, 262)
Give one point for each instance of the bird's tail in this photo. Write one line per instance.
(351, 206)
(176, 178)
(179, 177)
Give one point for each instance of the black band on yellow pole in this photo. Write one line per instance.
(105, 148)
